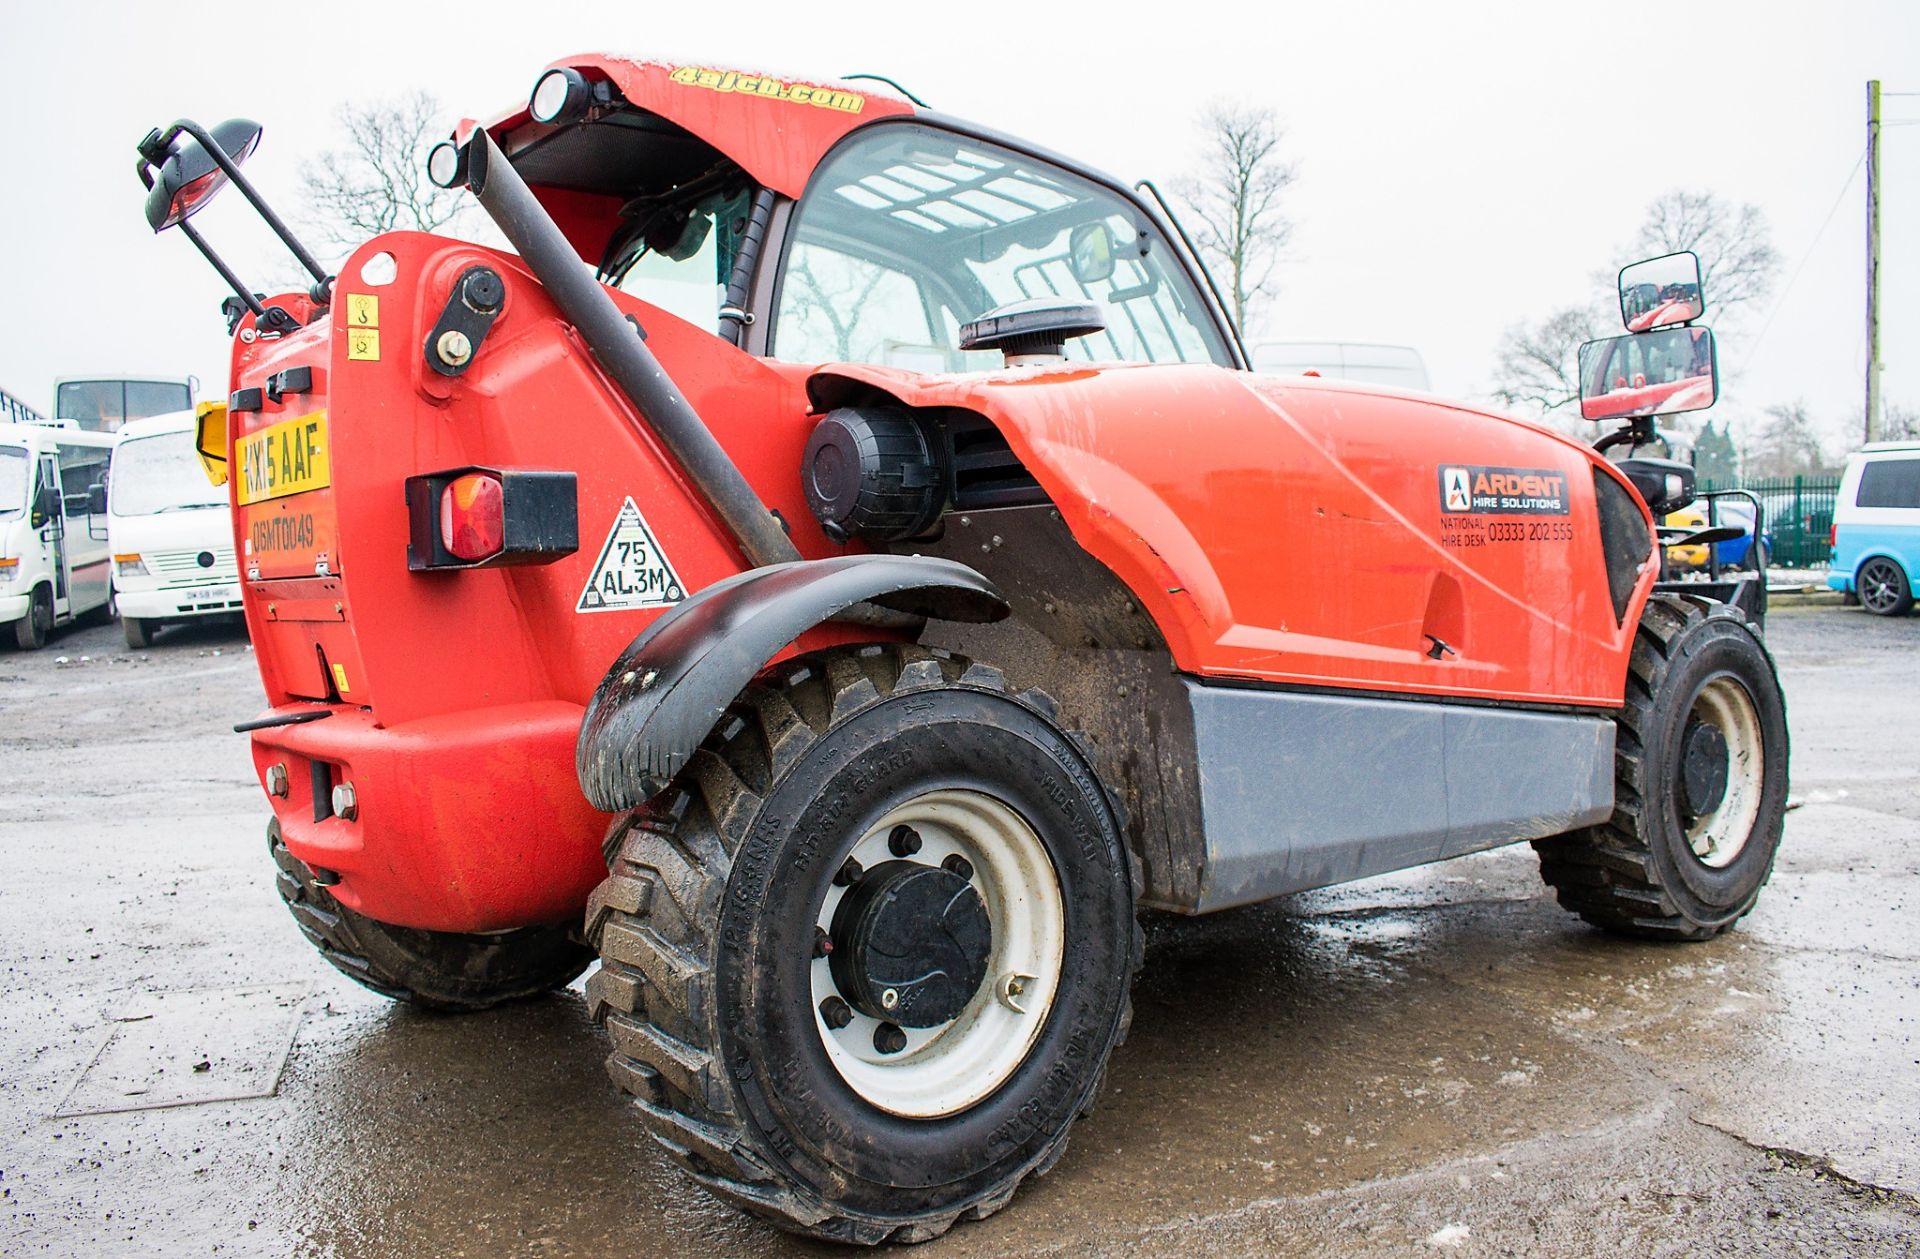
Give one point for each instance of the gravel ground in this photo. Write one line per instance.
(1440, 1061)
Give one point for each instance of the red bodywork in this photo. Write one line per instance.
(1288, 530)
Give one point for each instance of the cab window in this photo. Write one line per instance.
(907, 232)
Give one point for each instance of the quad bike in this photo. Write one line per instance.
(843, 600)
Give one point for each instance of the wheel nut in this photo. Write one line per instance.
(956, 864)
(277, 781)
(904, 841)
(836, 1014)
(822, 942)
(889, 1039)
(849, 873)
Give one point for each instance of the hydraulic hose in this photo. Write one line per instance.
(622, 353)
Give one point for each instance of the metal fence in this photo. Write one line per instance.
(1799, 515)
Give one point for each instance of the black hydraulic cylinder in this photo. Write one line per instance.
(617, 345)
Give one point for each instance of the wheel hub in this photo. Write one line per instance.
(1703, 768)
(910, 944)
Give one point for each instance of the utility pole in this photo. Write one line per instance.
(1873, 256)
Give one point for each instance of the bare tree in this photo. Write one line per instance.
(378, 183)
(1898, 424)
(1538, 363)
(1784, 442)
(1737, 259)
(1237, 196)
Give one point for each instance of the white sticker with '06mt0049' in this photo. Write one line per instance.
(632, 571)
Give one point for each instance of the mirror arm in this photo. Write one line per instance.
(226, 273)
(232, 168)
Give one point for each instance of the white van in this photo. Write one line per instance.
(101, 404)
(170, 530)
(1876, 528)
(53, 528)
(1397, 365)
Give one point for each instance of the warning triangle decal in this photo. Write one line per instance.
(632, 572)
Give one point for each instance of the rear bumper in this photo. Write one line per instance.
(1841, 581)
(469, 821)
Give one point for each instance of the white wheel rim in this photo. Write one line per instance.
(1718, 835)
(948, 1068)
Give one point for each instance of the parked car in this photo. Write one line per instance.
(1733, 553)
(171, 535)
(1800, 524)
(1876, 527)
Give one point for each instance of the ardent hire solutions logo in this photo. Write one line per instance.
(1459, 489)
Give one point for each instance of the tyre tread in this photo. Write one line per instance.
(687, 845)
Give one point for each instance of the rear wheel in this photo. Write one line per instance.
(1700, 783)
(1883, 587)
(864, 962)
(139, 630)
(30, 631)
(440, 970)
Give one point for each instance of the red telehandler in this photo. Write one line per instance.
(839, 565)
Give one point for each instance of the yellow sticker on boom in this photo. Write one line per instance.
(363, 310)
(363, 343)
(285, 458)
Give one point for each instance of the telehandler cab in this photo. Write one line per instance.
(840, 565)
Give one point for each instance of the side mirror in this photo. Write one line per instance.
(1661, 292)
(1649, 373)
(190, 175)
(1090, 253)
(46, 505)
(97, 500)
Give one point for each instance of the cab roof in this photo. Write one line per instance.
(777, 128)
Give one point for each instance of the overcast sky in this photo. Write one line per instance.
(1461, 166)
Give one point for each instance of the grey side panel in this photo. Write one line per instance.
(1304, 790)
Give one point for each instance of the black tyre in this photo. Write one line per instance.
(1883, 587)
(139, 630)
(30, 631)
(438, 970)
(794, 976)
(1700, 782)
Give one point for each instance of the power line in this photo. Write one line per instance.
(1825, 223)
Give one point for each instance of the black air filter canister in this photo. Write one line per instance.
(873, 473)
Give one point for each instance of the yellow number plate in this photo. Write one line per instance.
(285, 458)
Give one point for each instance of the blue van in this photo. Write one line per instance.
(1876, 527)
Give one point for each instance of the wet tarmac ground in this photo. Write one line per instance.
(1438, 1062)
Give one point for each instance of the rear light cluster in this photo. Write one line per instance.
(473, 516)
(490, 518)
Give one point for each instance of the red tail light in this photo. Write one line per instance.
(473, 517)
(1833, 536)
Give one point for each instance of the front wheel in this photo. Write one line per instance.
(1700, 782)
(1883, 587)
(30, 631)
(864, 962)
(139, 630)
